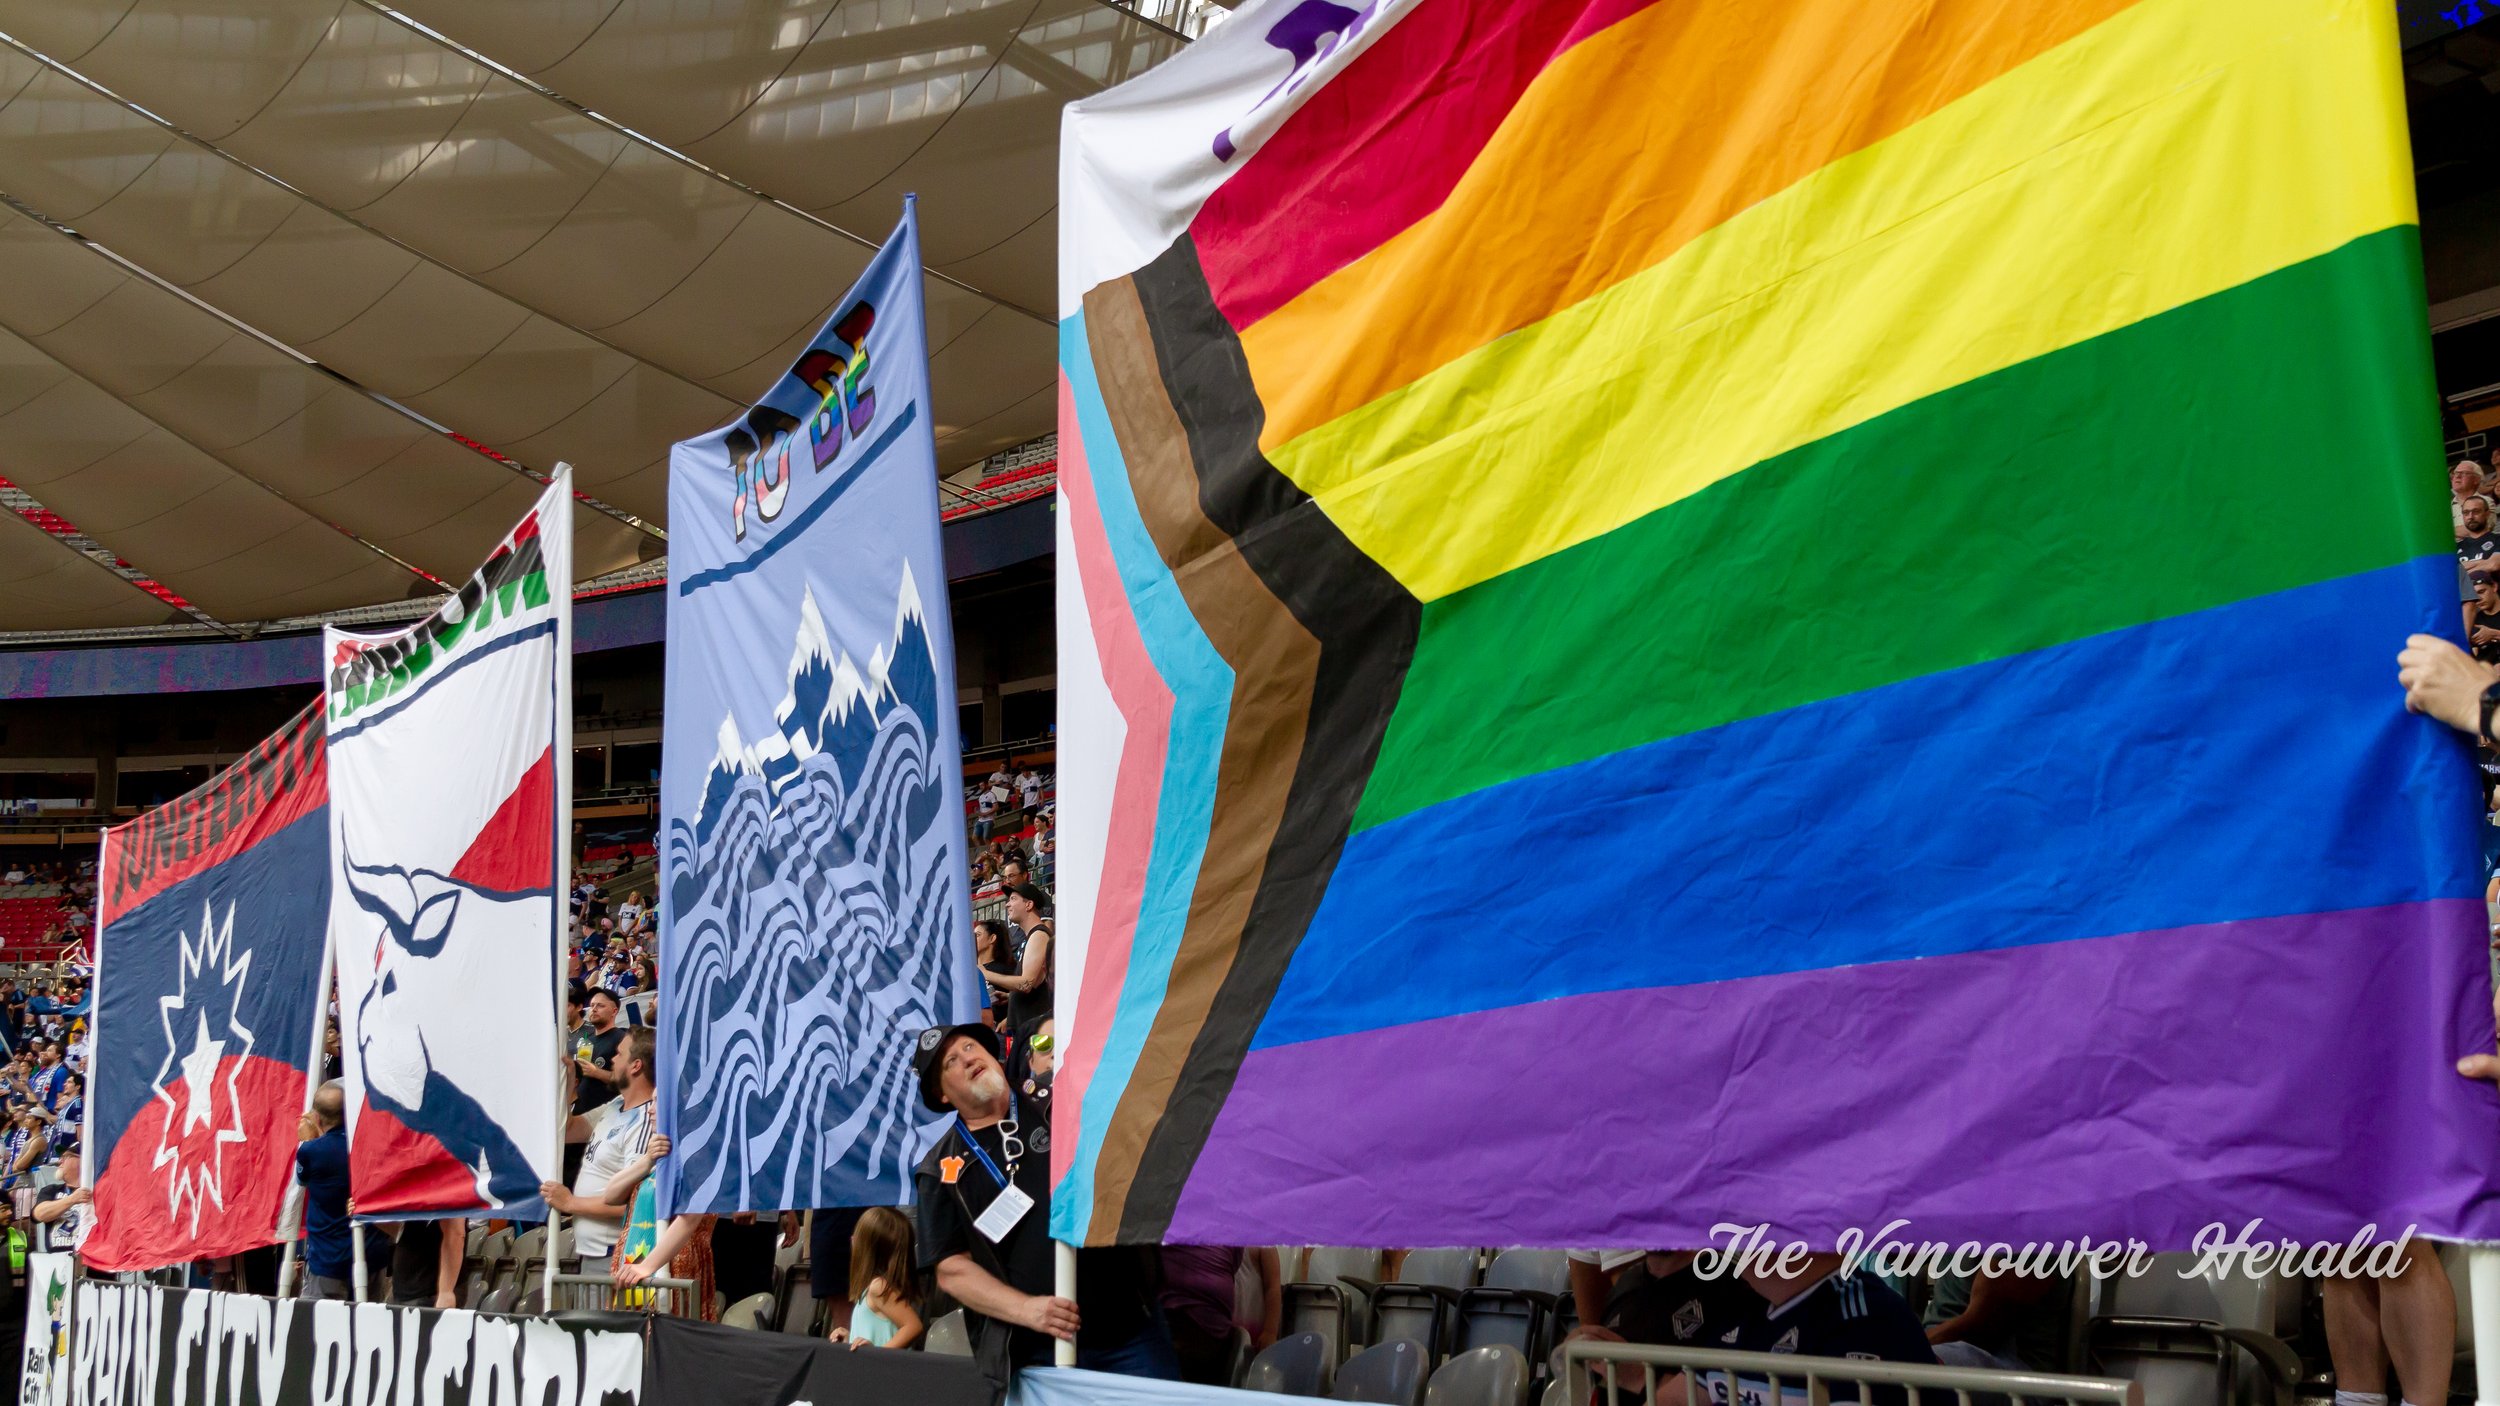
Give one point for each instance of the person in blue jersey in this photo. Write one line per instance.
(321, 1168)
(1818, 1311)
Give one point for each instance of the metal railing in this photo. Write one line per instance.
(1702, 1373)
(674, 1298)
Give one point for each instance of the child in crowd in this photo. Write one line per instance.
(885, 1298)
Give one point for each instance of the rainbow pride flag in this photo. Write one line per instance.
(1681, 611)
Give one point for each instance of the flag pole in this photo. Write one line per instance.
(91, 1162)
(1063, 1350)
(2482, 1282)
(561, 755)
(293, 1209)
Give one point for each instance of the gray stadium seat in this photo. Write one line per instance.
(1300, 1365)
(1422, 1304)
(948, 1336)
(1322, 1300)
(498, 1300)
(2198, 1341)
(1515, 1305)
(798, 1306)
(1486, 1376)
(1385, 1374)
(748, 1312)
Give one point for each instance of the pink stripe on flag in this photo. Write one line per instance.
(1145, 704)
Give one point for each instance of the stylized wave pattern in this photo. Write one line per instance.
(813, 927)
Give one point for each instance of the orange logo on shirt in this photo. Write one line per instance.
(949, 1169)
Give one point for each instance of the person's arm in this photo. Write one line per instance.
(1271, 1296)
(2444, 682)
(672, 1238)
(1036, 962)
(906, 1319)
(580, 1206)
(58, 1206)
(27, 1159)
(1995, 1301)
(447, 1261)
(1589, 1283)
(985, 1294)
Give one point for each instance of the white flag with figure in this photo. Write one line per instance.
(446, 788)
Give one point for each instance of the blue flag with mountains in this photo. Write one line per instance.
(814, 911)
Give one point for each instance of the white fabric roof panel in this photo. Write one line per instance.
(231, 547)
(512, 188)
(46, 586)
(324, 446)
(459, 353)
(840, 107)
(498, 260)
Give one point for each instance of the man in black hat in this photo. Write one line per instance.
(984, 1209)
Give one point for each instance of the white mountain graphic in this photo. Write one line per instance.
(830, 704)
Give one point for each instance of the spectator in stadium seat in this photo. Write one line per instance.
(71, 1116)
(593, 1044)
(1199, 1299)
(1037, 1054)
(998, 1150)
(1014, 873)
(50, 1076)
(2464, 481)
(1658, 1299)
(1028, 789)
(1593, 1277)
(1822, 1312)
(65, 1211)
(2482, 614)
(2479, 544)
(2011, 1322)
(994, 949)
(985, 811)
(1028, 987)
(612, 1139)
(594, 1052)
(25, 1147)
(321, 1168)
(629, 913)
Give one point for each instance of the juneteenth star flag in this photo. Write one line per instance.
(213, 910)
(1694, 612)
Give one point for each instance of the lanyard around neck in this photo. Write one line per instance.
(1008, 1142)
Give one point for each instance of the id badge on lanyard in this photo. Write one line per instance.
(1012, 1203)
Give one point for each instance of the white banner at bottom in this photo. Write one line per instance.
(40, 1382)
(143, 1346)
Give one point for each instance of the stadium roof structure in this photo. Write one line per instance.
(300, 298)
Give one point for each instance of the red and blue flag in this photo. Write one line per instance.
(212, 911)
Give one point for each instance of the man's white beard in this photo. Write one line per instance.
(990, 1088)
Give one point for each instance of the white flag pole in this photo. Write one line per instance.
(2482, 1282)
(293, 1212)
(558, 535)
(1063, 1350)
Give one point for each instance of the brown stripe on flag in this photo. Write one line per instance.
(1318, 636)
(1273, 661)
